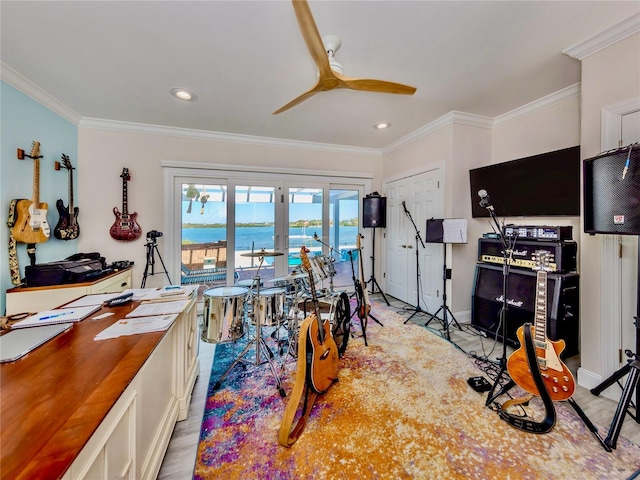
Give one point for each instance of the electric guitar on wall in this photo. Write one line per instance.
(317, 366)
(556, 377)
(67, 227)
(125, 226)
(31, 224)
(364, 304)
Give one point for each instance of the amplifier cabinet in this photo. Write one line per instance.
(562, 304)
(564, 253)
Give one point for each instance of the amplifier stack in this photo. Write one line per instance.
(562, 284)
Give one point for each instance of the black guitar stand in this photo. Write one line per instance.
(417, 309)
(372, 280)
(152, 246)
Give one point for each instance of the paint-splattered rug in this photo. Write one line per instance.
(402, 409)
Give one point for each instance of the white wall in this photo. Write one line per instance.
(609, 76)
(104, 153)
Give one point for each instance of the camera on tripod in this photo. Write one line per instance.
(152, 235)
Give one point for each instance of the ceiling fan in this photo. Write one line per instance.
(329, 71)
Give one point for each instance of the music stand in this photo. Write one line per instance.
(446, 231)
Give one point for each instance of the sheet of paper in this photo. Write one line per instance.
(135, 326)
(454, 230)
(97, 299)
(170, 293)
(139, 293)
(158, 308)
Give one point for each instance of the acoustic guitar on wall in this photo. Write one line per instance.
(67, 227)
(31, 224)
(125, 227)
(557, 378)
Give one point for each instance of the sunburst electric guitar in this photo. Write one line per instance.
(556, 377)
(31, 224)
(125, 227)
(364, 304)
(67, 227)
(317, 366)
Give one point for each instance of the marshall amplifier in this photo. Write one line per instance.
(564, 254)
(562, 304)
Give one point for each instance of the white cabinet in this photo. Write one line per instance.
(37, 299)
(131, 441)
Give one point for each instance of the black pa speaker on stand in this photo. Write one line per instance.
(374, 212)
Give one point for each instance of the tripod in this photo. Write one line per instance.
(446, 275)
(152, 246)
(417, 309)
(372, 280)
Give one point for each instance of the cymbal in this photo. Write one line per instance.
(291, 277)
(261, 253)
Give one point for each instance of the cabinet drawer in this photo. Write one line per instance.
(114, 284)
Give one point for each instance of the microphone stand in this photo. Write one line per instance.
(507, 252)
(417, 308)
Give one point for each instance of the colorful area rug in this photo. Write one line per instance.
(402, 409)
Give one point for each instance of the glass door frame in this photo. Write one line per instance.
(177, 173)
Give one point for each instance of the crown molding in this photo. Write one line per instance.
(605, 39)
(555, 98)
(223, 137)
(27, 87)
(450, 118)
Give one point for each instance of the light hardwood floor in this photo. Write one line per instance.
(180, 457)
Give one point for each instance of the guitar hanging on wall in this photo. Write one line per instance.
(67, 227)
(125, 227)
(31, 224)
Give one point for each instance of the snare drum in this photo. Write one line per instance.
(222, 314)
(271, 306)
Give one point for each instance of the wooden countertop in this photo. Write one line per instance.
(53, 399)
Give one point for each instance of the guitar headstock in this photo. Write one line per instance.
(66, 163)
(543, 260)
(35, 149)
(358, 237)
(126, 176)
(305, 259)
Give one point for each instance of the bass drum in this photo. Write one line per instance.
(222, 316)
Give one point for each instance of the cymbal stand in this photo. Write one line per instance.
(258, 341)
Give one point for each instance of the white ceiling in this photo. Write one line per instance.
(117, 60)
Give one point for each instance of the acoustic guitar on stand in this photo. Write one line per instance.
(557, 378)
(67, 227)
(31, 224)
(125, 226)
(317, 366)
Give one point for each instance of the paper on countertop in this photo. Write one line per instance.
(170, 293)
(139, 293)
(135, 326)
(158, 308)
(89, 300)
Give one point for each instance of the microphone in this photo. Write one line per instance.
(484, 199)
(404, 204)
(315, 235)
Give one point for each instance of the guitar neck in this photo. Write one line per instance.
(540, 318)
(36, 182)
(124, 197)
(71, 191)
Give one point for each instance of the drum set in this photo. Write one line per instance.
(231, 313)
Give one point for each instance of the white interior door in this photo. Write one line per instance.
(415, 278)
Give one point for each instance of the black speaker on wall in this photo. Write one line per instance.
(562, 304)
(611, 202)
(374, 212)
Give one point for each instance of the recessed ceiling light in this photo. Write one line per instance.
(184, 94)
(381, 125)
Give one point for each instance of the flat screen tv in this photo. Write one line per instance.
(543, 185)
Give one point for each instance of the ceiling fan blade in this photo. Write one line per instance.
(317, 88)
(312, 37)
(380, 86)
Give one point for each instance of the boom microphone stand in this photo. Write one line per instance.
(417, 308)
(507, 251)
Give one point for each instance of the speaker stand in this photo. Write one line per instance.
(372, 280)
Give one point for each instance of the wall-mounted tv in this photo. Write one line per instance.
(543, 185)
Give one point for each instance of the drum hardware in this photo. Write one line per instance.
(262, 349)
